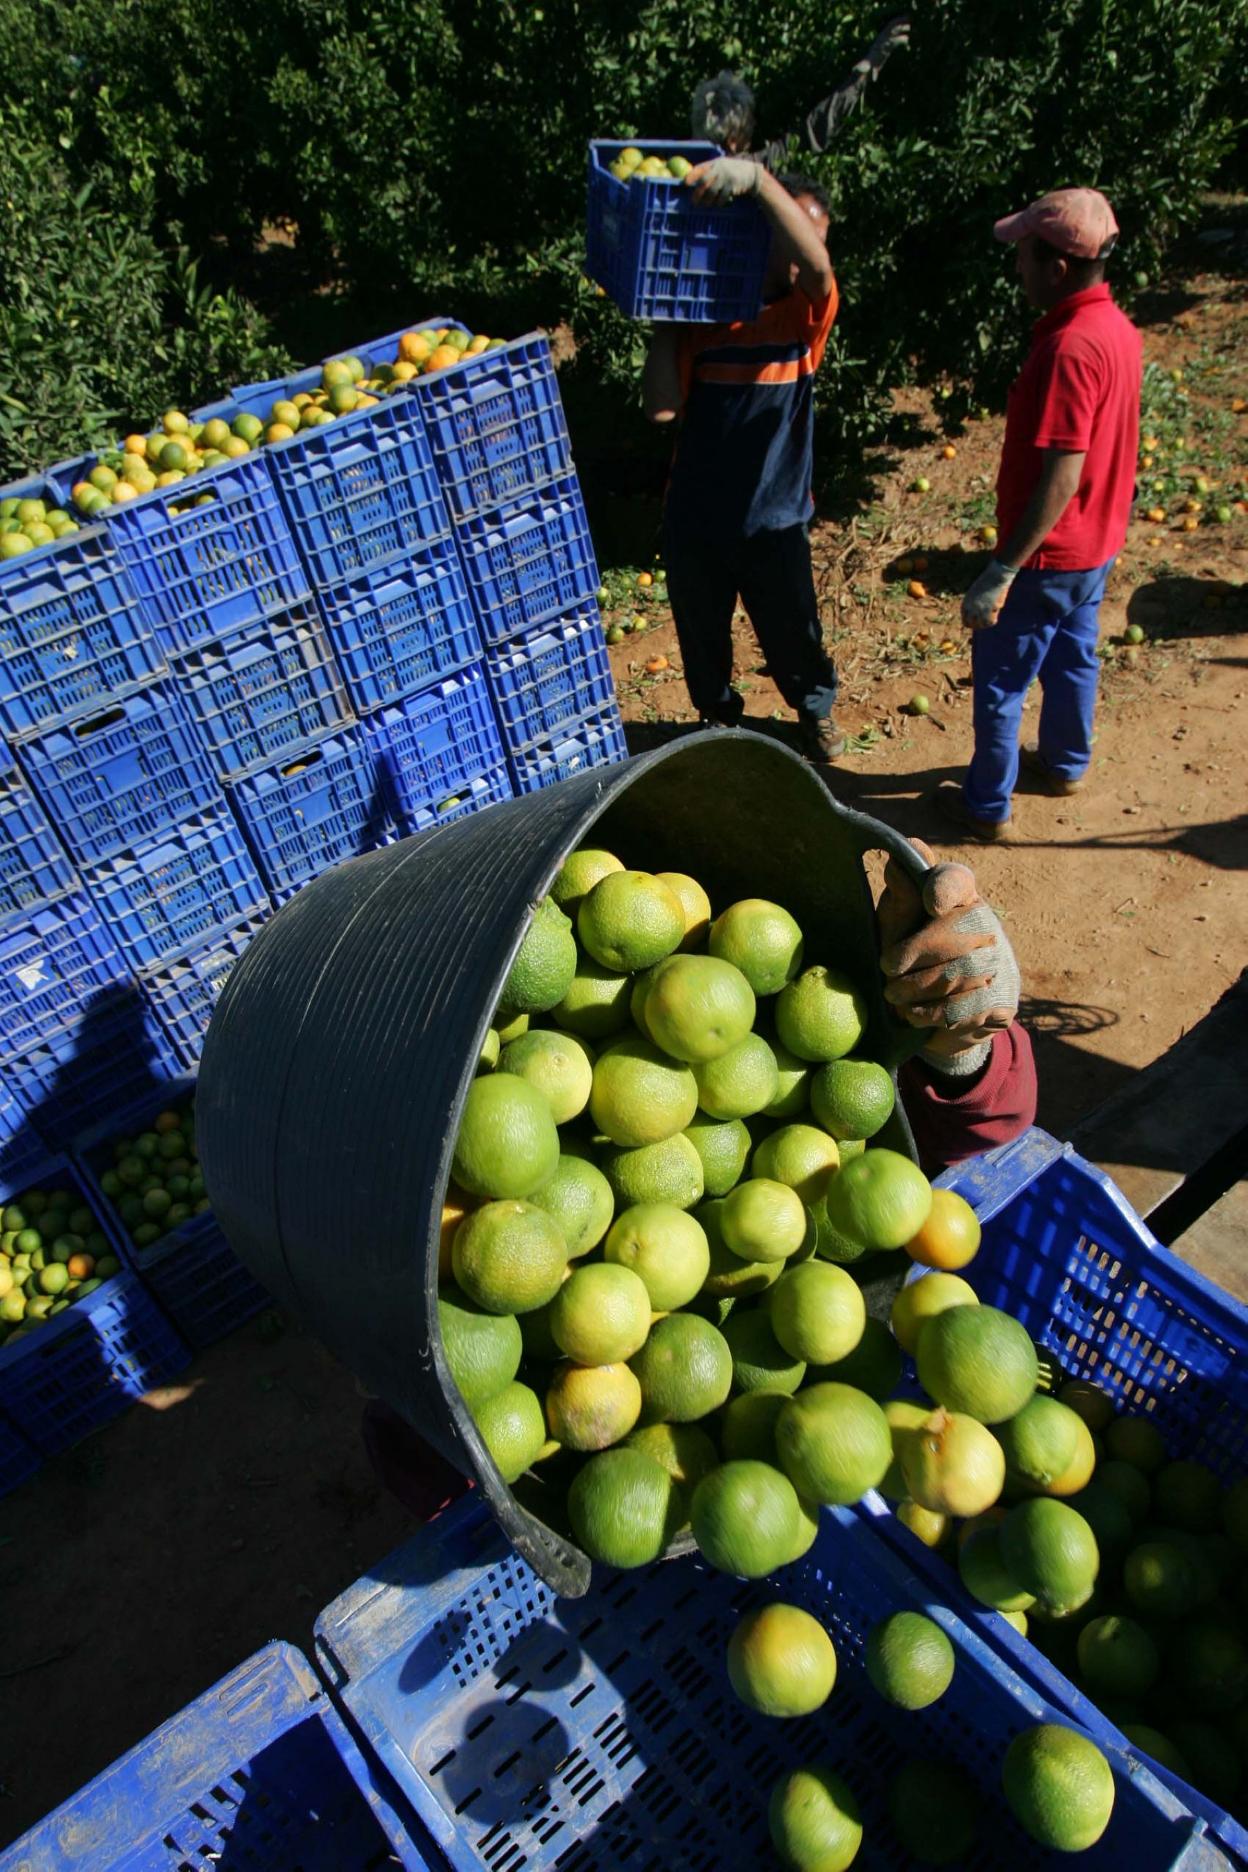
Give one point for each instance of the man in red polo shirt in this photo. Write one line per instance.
(1064, 492)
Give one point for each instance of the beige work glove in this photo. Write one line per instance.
(948, 963)
(725, 178)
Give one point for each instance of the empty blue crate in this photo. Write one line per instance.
(254, 695)
(594, 742)
(259, 1772)
(548, 677)
(115, 779)
(51, 962)
(435, 746)
(191, 1269)
(359, 490)
(660, 255)
(603, 1732)
(496, 424)
(75, 1075)
(168, 895)
(398, 629)
(33, 865)
(185, 989)
(83, 1366)
(71, 632)
(530, 561)
(211, 555)
(327, 802)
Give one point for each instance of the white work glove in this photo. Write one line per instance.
(894, 32)
(982, 604)
(948, 963)
(725, 178)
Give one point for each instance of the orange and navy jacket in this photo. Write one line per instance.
(744, 452)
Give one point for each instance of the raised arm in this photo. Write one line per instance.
(801, 242)
(827, 116)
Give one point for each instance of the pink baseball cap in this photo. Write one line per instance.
(1077, 221)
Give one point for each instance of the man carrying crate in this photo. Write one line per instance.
(739, 495)
(723, 107)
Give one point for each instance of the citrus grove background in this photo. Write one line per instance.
(196, 191)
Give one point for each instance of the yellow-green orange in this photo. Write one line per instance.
(820, 1015)
(924, 1523)
(792, 1082)
(578, 1197)
(1050, 1550)
(601, 1314)
(781, 1661)
(950, 1236)
(979, 1361)
(666, 1247)
(666, 1172)
(985, 1576)
(740, 1082)
(693, 901)
(851, 1098)
(596, 1003)
(880, 1199)
(762, 1220)
(747, 1430)
(591, 1407)
(1159, 1579)
(952, 1464)
(684, 1369)
(800, 1155)
(746, 1518)
(761, 939)
(723, 1144)
(922, 1300)
(1117, 1657)
(909, 1660)
(555, 1064)
(622, 1508)
(814, 1819)
(1041, 1441)
(629, 920)
(508, 1143)
(512, 1428)
(1059, 1786)
(579, 873)
(697, 1008)
(1136, 1441)
(817, 1312)
(730, 1277)
(483, 1350)
(640, 1096)
(686, 1452)
(759, 1361)
(545, 963)
(834, 1443)
(509, 1257)
(903, 1416)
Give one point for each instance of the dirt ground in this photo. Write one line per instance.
(232, 1507)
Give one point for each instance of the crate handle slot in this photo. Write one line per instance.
(99, 722)
(297, 767)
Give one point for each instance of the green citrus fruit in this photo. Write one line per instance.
(814, 1820)
(792, 1082)
(746, 1518)
(759, 1361)
(578, 874)
(1136, 1441)
(697, 1008)
(851, 1098)
(979, 1361)
(686, 1452)
(724, 1146)
(667, 1172)
(762, 940)
(874, 1365)
(557, 1065)
(740, 1082)
(984, 1572)
(834, 1443)
(1059, 1786)
(600, 1315)
(1150, 1741)
(684, 1369)
(817, 1312)
(483, 1350)
(507, 1143)
(623, 1507)
(512, 1428)
(820, 1015)
(596, 1003)
(589, 1408)
(693, 901)
(1117, 1657)
(1050, 1550)
(800, 1155)
(628, 920)
(579, 1199)
(763, 1221)
(922, 1300)
(730, 1277)
(509, 1257)
(1106, 1514)
(952, 1464)
(909, 1660)
(1159, 1579)
(1095, 1406)
(545, 963)
(640, 1096)
(880, 1199)
(747, 1430)
(666, 1247)
(1040, 1441)
(781, 1661)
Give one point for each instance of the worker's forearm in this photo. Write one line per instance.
(799, 237)
(1054, 491)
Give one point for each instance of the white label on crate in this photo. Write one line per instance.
(32, 977)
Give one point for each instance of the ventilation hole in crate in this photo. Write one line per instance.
(574, 1859)
(652, 1705)
(616, 1742)
(655, 1793)
(687, 1672)
(521, 1689)
(553, 1663)
(444, 1761)
(470, 1735)
(499, 1850)
(652, 1630)
(587, 1631)
(582, 1779)
(584, 1691)
(462, 1806)
(547, 1826)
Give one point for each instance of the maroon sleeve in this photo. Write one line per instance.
(953, 1118)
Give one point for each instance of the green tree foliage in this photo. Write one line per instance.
(430, 156)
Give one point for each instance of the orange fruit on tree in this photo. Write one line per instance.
(950, 1236)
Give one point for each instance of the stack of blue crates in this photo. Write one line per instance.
(209, 696)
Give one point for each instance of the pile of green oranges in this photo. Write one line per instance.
(27, 523)
(52, 1252)
(155, 1183)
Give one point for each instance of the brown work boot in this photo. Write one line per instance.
(822, 741)
(1035, 764)
(950, 803)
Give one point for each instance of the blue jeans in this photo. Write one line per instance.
(1047, 629)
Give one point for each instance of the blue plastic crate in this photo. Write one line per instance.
(211, 555)
(594, 742)
(1065, 1253)
(184, 989)
(22, 1150)
(259, 1772)
(18, 1461)
(252, 696)
(33, 866)
(398, 629)
(660, 255)
(359, 490)
(547, 678)
(73, 1076)
(168, 895)
(115, 780)
(328, 802)
(496, 424)
(602, 1732)
(71, 631)
(435, 745)
(530, 561)
(51, 962)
